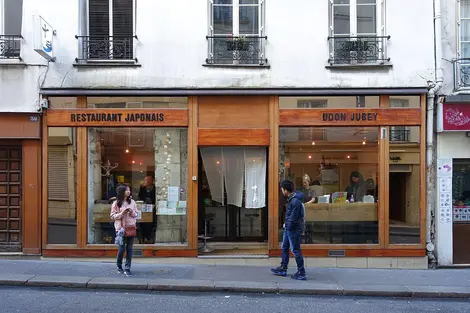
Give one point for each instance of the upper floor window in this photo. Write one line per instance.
(109, 31)
(357, 32)
(462, 64)
(11, 12)
(236, 33)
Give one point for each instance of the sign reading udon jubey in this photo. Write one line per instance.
(117, 117)
(343, 116)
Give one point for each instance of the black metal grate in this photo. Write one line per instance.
(233, 50)
(106, 48)
(10, 46)
(361, 50)
(399, 135)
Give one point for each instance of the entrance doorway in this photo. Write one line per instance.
(232, 198)
(10, 198)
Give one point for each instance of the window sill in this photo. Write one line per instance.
(250, 66)
(358, 66)
(107, 63)
(12, 62)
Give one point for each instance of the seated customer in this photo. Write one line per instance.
(356, 188)
(311, 190)
(147, 194)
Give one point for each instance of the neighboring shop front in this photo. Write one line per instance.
(453, 180)
(20, 183)
(210, 166)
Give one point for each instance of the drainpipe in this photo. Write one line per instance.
(430, 168)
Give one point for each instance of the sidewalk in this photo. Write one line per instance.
(442, 283)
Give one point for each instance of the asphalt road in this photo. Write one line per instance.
(20, 299)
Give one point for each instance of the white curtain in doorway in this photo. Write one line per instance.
(255, 178)
(213, 165)
(234, 168)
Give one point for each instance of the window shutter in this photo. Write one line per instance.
(123, 29)
(58, 170)
(98, 18)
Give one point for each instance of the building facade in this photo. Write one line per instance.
(453, 138)
(215, 115)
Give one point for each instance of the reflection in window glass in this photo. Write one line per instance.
(404, 101)
(351, 102)
(404, 186)
(137, 102)
(63, 102)
(62, 185)
(461, 191)
(336, 169)
(153, 162)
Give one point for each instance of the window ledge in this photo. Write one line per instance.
(250, 66)
(12, 62)
(107, 63)
(358, 66)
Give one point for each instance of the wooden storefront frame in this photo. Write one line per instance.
(389, 117)
(58, 118)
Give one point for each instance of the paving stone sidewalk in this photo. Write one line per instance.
(442, 283)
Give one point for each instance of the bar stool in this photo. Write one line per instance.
(205, 248)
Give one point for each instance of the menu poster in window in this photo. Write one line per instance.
(173, 194)
(445, 200)
(444, 168)
(147, 208)
(139, 215)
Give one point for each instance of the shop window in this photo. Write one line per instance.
(62, 102)
(404, 185)
(137, 102)
(153, 162)
(461, 209)
(403, 102)
(350, 102)
(337, 176)
(62, 186)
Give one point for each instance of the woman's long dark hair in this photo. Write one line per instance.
(121, 195)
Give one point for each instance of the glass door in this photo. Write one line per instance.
(233, 193)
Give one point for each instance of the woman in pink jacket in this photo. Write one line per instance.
(124, 213)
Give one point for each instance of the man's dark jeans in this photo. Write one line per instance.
(127, 246)
(292, 240)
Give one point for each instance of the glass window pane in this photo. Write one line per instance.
(366, 19)
(62, 185)
(336, 170)
(464, 8)
(12, 17)
(341, 2)
(249, 1)
(153, 163)
(329, 102)
(465, 49)
(465, 30)
(223, 20)
(461, 191)
(341, 20)
(404, 185)
(249, 20)
(223, 1)
(137, 102)
(405, 101)
(366, 1)
(63, 102)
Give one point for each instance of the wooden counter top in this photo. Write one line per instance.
(341, 212)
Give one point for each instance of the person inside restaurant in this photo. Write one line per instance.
(356, 188)
(147, 195)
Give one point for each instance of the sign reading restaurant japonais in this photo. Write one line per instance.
(117, 117)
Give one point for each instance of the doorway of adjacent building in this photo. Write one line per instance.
(10, 198)
(232, 197)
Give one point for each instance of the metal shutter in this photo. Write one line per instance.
(123, 29)
(58, 170)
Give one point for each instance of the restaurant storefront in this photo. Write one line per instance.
(208, 168)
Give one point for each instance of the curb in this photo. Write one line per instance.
(185, 285)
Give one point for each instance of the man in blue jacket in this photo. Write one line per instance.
(293, 228)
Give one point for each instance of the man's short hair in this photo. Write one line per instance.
(287, 185)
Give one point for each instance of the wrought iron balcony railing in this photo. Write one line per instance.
(399, 134)
(99, 48)
(10, 46)
(461, 73)
(236, 50)
(361, 50)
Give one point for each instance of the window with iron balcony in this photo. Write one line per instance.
(11, 12)
(109, 33)
(236, 33)
(462, 62)
(357, 33)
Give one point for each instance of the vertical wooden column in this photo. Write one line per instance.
(31, 195)
(422, 172)
(44, 197)
(384, 181)
(192, 204)
(273, 174)
(82, 182)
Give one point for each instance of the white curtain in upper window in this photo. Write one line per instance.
(255, 178)
(212, 160)
(465, 29)
(234, 169)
